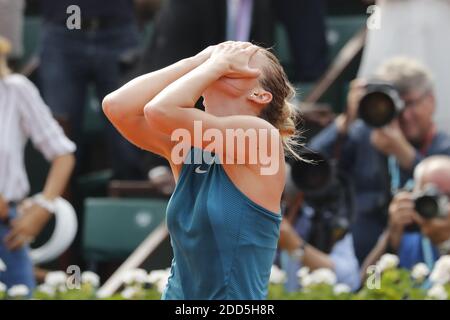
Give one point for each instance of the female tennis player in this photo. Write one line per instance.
(224, 216)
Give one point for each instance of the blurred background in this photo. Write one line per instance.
(119, 193)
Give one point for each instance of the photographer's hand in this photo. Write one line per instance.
(401, 214)
(356, 92)
(390, 140)
(289, 239)
(312, 257)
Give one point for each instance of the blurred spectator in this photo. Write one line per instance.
(418, 29)
(304, 21)
(381, 160)
(11, 24)
(433, 234)
(146, 10)
(341, 258)
(185, 27)
(72, 59)
(24, 115)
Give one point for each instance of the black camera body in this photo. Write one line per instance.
(431, 203)
(329, 194)
(381, 104)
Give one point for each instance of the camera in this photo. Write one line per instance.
(329, 193)
(431, 203)
(381, 103)
(314, 174)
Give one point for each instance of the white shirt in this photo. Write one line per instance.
(23, 115)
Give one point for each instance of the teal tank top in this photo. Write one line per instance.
(223, 243)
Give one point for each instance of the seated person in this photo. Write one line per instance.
(380, 161)
(418, 237)
(341, 258)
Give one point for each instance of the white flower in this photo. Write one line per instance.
(47, 289)
(19, 290)
(302, 272)
(91, 278)
(156, 275)
(319, 276)
(420, 271)
(159, 278)
(2, 287)
(341, 288)
(2, 266)
(161, 285)
(127, 276)
(306, 281)
(135, 276)
(437, 292)
(129, 292)
(324, 275)
(102, 295)
(277, 275)
(441, 270)
(387, 261)
(56, 278)
(62, 288)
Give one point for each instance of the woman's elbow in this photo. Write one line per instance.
(108, 105)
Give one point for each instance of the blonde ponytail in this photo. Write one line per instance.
(288, 130)
(281, 112)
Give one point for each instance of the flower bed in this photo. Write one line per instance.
(388, 282)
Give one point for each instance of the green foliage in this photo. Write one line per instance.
(388, 283)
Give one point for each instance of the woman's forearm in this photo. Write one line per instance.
(58, 176)
(185, 91)
(131, 98)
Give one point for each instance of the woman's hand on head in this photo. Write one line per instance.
(205, 54)
(235, 57)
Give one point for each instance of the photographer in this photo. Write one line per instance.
(341, 258)
(314, 232)
(380, 160)
(419, 221)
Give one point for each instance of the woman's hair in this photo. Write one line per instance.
(281, 112)
(5, 49)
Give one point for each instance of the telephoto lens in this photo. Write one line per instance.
(431, 203)
(313, 175)
(381, 104)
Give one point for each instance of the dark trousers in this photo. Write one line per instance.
(304, 21)
(71, 60)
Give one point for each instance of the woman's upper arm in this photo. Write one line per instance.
(243, 132)
(137, 130)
